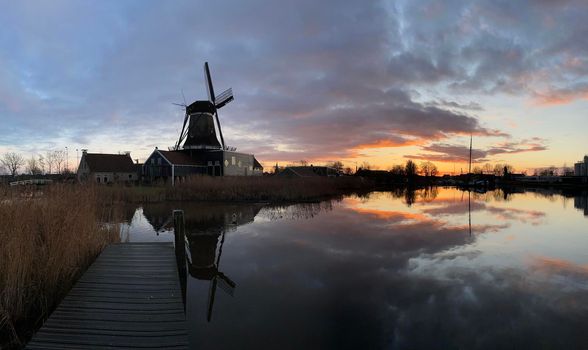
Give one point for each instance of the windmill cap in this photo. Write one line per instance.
(200, 107)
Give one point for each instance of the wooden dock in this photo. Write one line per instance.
(129, 298)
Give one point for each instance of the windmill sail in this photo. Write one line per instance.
(226, 284)
(182, 133)
(224, 97)
(209, 87)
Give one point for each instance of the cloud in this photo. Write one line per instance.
(562, 96)
(412, 283)
(471, 106)
(443, 152)
(323, 78)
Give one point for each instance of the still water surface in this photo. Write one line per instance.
(431, 269)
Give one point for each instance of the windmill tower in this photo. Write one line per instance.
(201, 119)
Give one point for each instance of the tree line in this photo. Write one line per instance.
(52, 162)
(412, 169)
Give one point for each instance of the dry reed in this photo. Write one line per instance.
(46, 241)
(255, 189)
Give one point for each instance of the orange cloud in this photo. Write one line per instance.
(392, 215)
(390, 143)
(560, 97)
(554, 266)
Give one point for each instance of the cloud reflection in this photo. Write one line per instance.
(372, 272)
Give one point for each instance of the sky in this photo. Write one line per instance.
(356, 81)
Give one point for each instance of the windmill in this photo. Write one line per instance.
(198, 129)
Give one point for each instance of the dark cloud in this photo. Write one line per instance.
(471, 106)
(461, 153)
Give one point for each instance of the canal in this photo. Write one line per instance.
(437, 268)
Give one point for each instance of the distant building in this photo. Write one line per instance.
(581, 168)
(107, 168)
(308, 171)
(177, 165)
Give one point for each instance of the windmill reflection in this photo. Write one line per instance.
(204, 228)
(205, 251)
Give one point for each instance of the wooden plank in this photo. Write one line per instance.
(122, 316)
(129, 298)
(114, 325)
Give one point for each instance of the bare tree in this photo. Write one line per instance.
(499, 169)
(365, 166)
(55, 161)
(550, 171)
(303, 162)
(41, 163)
(13, 162)
(428, 169)
(50, 161)
(337, 165)
(33, 166)
(488, 168)
(59, 161)
(397, 170)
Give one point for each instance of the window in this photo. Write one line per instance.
(233, 161)
(153, 161)
(158, 161)
(98, 179)
(105, 179)
(130, 176)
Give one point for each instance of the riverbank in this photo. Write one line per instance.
(48, 239)
(239, 189)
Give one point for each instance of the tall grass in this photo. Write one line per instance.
(272, 189)
(260, 189)
(46, 241)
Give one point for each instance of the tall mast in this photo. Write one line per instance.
(470, 171)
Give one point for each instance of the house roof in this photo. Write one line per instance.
(256, 164)
(180, 158)
(121, 163)
(302, 171)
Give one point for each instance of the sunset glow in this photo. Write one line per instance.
(376, 82)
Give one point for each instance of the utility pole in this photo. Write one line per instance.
(66, 159)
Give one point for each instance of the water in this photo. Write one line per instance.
(435, 269)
